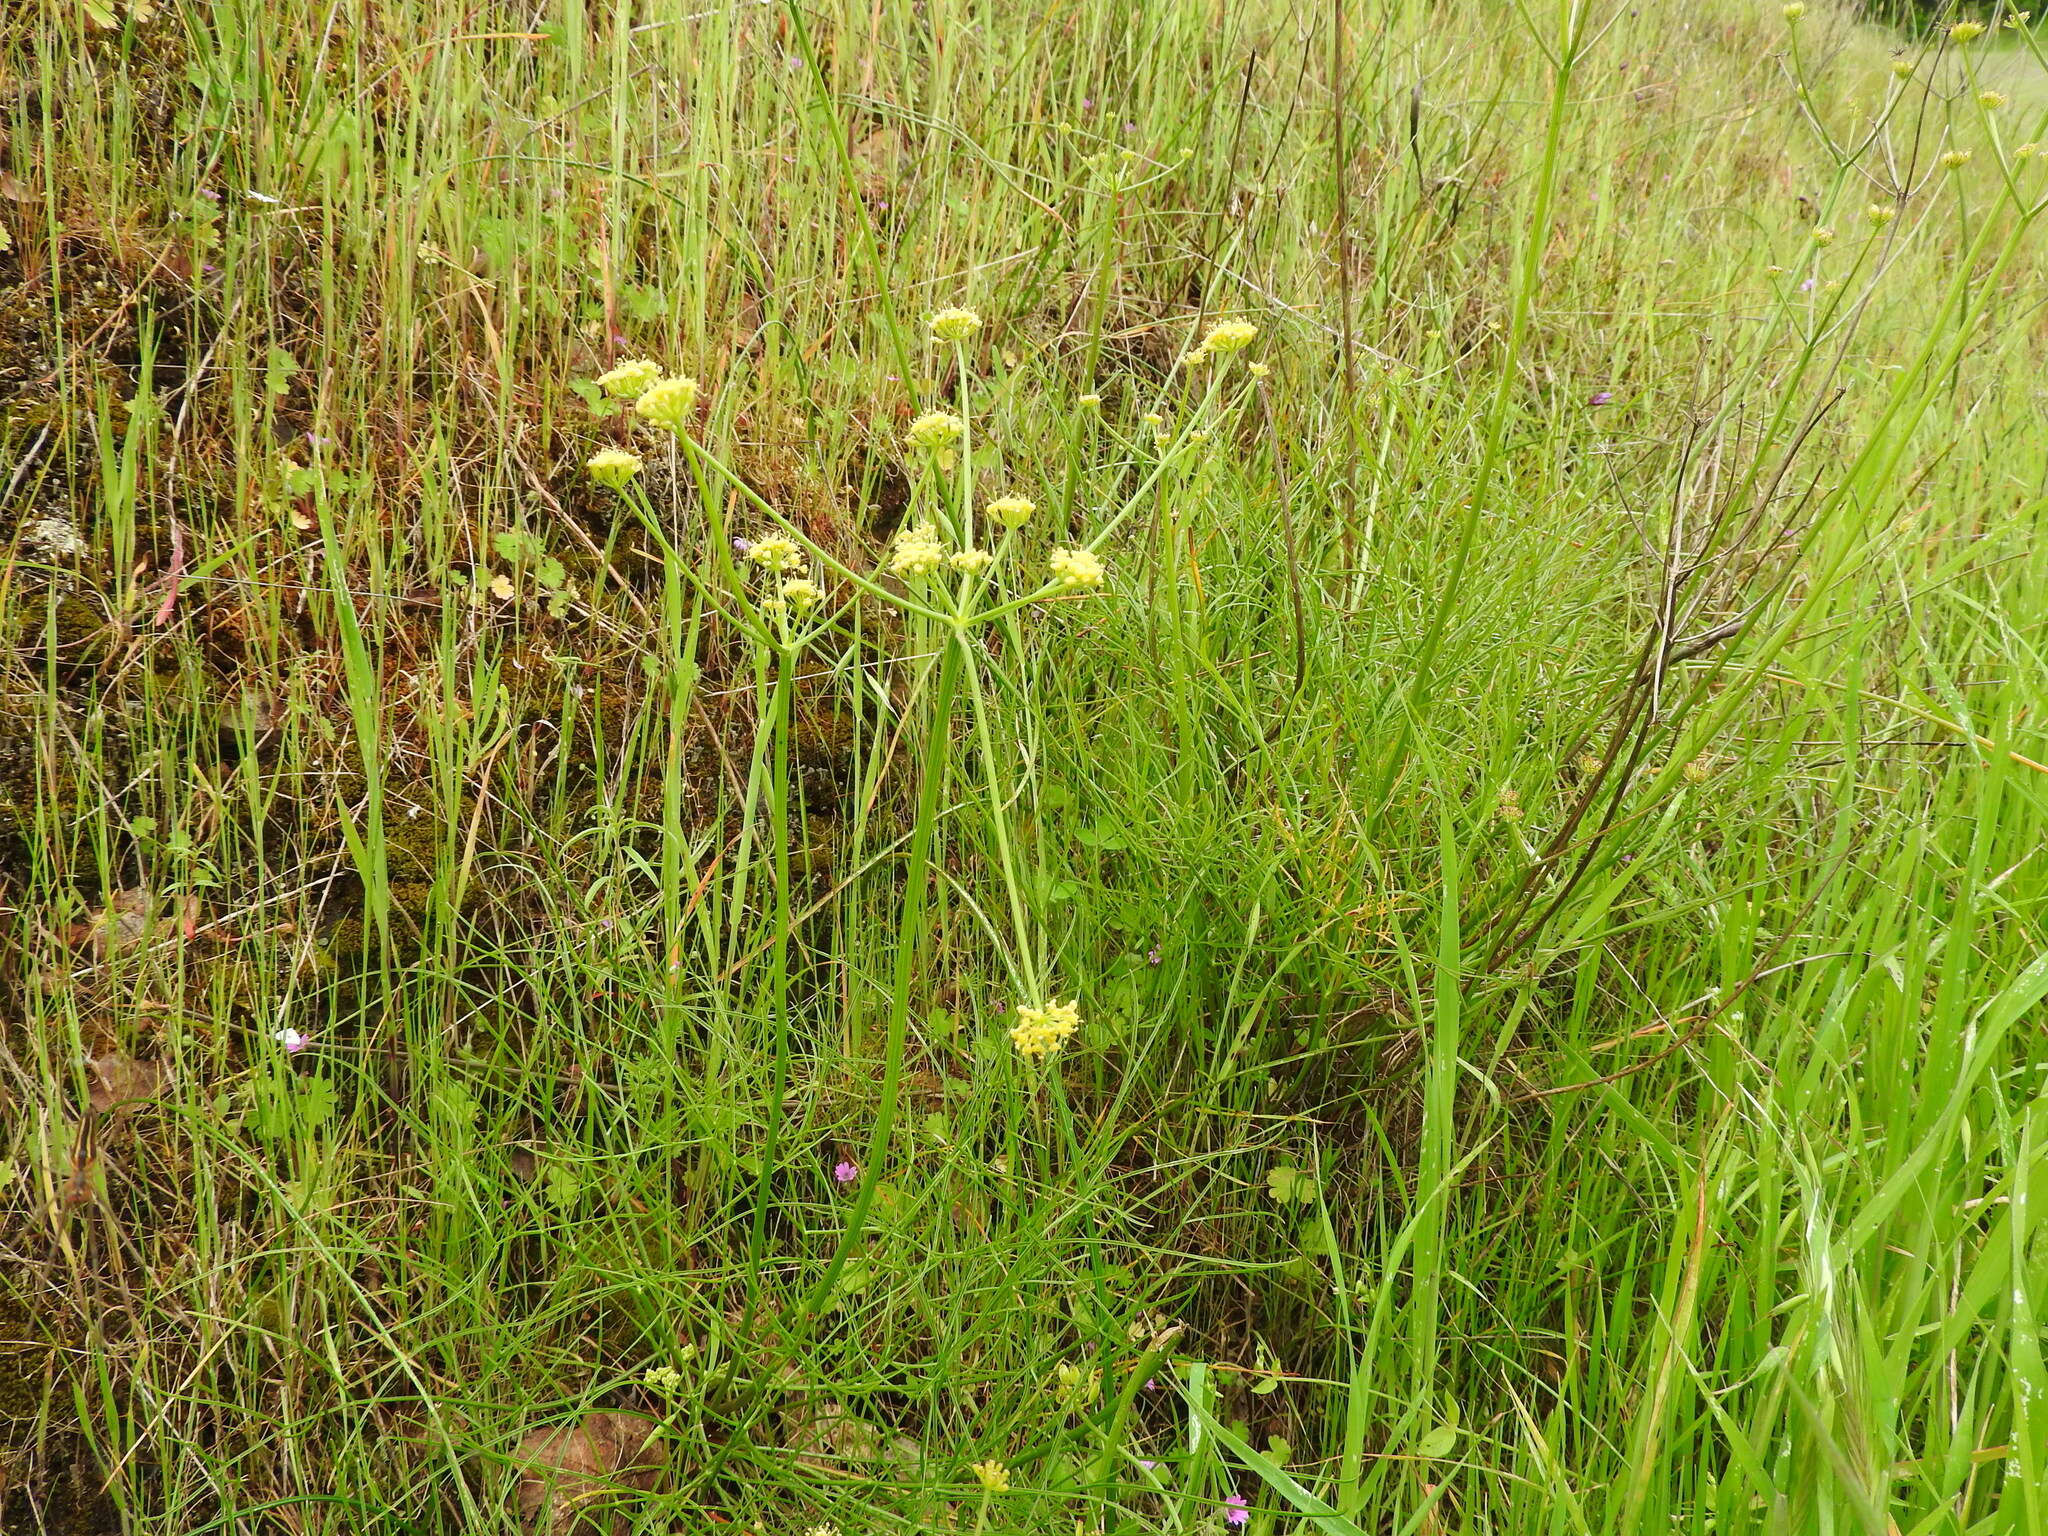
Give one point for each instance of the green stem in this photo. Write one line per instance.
(910, 944)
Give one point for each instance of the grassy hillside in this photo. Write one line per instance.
(1304, 791)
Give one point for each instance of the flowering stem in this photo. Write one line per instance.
(966, 485)
(776, 731)
(999, 825)
(910, 937)
(853, 577)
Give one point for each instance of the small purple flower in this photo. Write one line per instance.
(846, 1173)
(1807, 286)
(1236, 1509)
(1600, 397)
(741, 546)
(292, 1041)
(1152, 956)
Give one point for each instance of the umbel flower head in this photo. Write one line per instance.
(935, 431)
(993, 1476)
(1963, 31)
(1075, 1386)
(972, 561)
(776, 553)
(668, 403)
(629, 380)
(954, 324)
(1230, 336)
(802, 594)
(1011, 511)
(918, 552)
(613, 467)
(1041, 1031)
(1075, 569)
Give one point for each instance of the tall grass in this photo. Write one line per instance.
(1541, 823)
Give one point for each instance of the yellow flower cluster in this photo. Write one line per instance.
(630, 380)
(935, 431)
(993, 1476)
(1041, 1031)
(1229, 336)
(1076, 569)
(776, 553)
(613, 467)
(972, 561)
(1011, 511)
(802, 594)
(1963, 31)
(668, 403)
(954, 324)
(918, 552)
